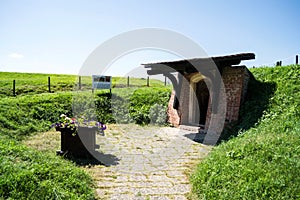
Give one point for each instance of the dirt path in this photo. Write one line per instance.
(146, 162)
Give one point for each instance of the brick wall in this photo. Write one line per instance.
(233, 79)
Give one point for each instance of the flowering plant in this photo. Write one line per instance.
(73, 123)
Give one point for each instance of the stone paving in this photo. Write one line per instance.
(146, 162)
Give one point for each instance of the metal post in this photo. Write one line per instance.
(14, 87)
(148, 81)
(296, 59)
(165, 80)
(79, 82)
(49, 85)
(128, 81)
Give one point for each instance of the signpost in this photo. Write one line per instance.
(101, 82)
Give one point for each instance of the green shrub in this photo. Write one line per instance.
(143, 99)
(158, 114)
(128, 105)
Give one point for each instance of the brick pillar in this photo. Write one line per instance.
(234, 79)
(184, 101)
(173, 115)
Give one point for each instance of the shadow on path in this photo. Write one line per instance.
(107, 159)
(97, 158)
(197, 137)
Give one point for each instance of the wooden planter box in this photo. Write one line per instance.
(80, 145)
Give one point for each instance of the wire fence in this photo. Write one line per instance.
(18, 86)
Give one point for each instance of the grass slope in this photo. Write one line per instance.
(263, 162)
(28, 174)
(24, 115)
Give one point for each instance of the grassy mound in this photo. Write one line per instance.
(27, 114)
(263, 162)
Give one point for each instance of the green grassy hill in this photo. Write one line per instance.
(263, 161)
(34, 83)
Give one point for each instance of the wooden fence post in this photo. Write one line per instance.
(49, 85)
(148, 81)
(278, 63)
(296, 59)
(128, 81)
(14, 87)
(79, 82)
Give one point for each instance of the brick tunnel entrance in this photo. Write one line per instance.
(193, 79)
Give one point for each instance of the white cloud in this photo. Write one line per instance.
(16, 55)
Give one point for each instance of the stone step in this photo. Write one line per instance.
(191, 128)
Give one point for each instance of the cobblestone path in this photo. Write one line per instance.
(146, 162)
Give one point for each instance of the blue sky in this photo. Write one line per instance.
(57, 36)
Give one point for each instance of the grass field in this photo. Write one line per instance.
(263, 162)
(34, 83)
